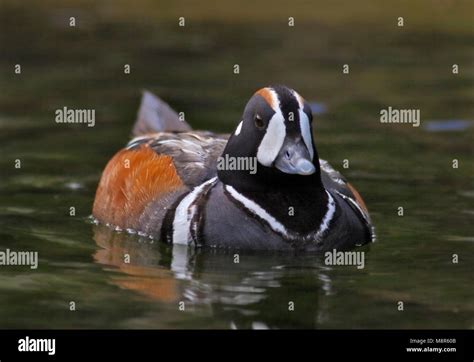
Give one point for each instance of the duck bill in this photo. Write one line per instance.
(294, 158)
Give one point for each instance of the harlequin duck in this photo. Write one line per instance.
(262, 187)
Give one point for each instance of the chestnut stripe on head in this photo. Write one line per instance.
(270, 97)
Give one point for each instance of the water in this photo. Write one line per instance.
(191, 68)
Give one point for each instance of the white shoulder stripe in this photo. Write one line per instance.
(362, 212)
(184, 214)
(356, 205)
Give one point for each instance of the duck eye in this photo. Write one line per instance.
(259, 123)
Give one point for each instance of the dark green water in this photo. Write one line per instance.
(192, 69)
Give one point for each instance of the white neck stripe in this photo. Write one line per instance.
(331, 209)
(257, 210)
(278, 227)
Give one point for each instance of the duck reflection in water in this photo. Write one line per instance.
(246, 289)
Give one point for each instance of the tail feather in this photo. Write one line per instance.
(155, 115)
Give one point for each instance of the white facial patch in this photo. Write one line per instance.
(238, 129)
(304, 125)
(306, 132)
(272, 141)
(274, 136)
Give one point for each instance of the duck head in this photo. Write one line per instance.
(276, 131)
